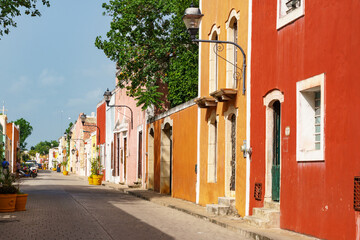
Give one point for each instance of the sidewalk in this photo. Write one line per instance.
(229, 222)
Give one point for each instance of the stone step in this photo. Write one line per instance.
(227, 201)
(257, 222)
(267, 213)
(272, 205)
(217, 209)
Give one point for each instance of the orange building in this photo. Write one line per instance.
(171, 152)
(13, 133)
(222, 105)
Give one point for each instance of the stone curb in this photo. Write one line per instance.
(257, 234)
(244, 233)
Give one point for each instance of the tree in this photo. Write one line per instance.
(12, 8)
(150, 45)
(44, 146)
(25, 131)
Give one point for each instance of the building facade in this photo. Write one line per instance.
(222, 167)
(304, 120)
(171, 152)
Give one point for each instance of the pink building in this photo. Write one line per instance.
(127, 158)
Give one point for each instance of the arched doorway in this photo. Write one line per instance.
(166, 159)
(273, 101)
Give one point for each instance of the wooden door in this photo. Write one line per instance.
(275, 170)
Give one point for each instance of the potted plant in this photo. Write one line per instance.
(95, 171)
(90, 179)
(21, 199)
(8, 192)
(54, 165)
(64, 164)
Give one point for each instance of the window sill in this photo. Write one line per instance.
(310, 156)
(289, 18)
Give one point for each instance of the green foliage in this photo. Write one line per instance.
(7, 180)
(44, 146)
(2, 151)
(149, 43)
(25, 131)
(9, 9)
(95, 166)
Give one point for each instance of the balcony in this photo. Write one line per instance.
(224, 94)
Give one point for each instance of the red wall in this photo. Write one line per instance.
(316, 197)
(101, 122)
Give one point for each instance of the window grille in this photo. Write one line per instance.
(317, 120)
(258, 191)
(357, 193)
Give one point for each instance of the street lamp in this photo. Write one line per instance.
(107, 97)
(192, 18)
(83, 120)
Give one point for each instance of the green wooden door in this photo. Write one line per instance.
(275, 170)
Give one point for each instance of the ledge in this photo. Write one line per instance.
(205, 102)
(224, 94)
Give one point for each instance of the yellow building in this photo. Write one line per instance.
(222, 103)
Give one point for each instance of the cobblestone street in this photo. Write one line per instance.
(65, 207)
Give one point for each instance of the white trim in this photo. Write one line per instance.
(317, 81)
(13, 146)
(198, 120)
(139, 129)
(213, 61)
(290, 17)
(167, 120)
(268, 100)
(233, 14)
(248, 105)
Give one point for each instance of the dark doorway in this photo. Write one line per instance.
(275, 170)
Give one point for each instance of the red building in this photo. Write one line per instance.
(101, 132)
(304, 117)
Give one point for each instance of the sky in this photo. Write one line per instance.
(50, 69)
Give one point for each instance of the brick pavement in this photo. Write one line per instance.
(230, 222)
(66, 207)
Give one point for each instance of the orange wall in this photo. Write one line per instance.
(217, 12)
(184, 153)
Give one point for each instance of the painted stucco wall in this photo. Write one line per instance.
(123, 128)
(316, 197)
(101, 122)
(216, 13)
(184, 153)
(110, 124)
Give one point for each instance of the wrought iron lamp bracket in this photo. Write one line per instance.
(219, 48)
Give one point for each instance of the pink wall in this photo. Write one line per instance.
(123, 114)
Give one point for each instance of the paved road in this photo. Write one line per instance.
(65, 207)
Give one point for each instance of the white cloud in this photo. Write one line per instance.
(91, 96)
(20, 85)
(48, 78)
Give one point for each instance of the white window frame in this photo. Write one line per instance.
(290, 17)
(305, 116)
(213, 136)
(231, 50)
(213, 61)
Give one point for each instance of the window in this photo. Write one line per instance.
(213, 60)
(231, 52)
(212, 148)
(310, 140)
(288, 11)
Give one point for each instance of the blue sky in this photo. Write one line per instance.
(50, 69)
